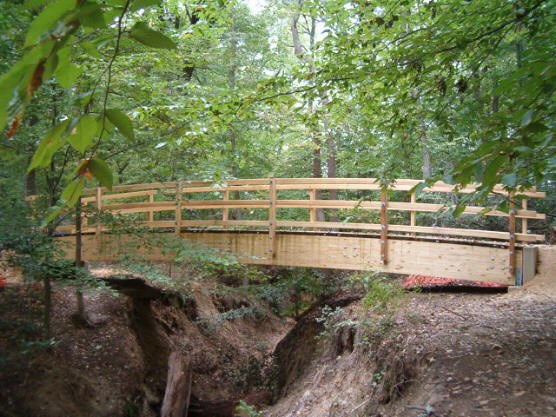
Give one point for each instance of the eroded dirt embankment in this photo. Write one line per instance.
(115, 362)
(442, 355)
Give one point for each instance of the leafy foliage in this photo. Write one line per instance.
(142, 90)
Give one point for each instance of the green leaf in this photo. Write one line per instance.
(491, 172)
(35, 4)
(121, 121)
(147, 36)
(117, 3)
(83, 133)
(8, 89)
(509, 179)
(458, 210)
(48, 146)
(50, 67)
(47, 18)
(102, 172)
(527, 117)
(143, 4)
(72, 192)
(67, 74)
(91, 15)
(53, 212)
(91, 50)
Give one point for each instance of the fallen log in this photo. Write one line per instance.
(178, 386)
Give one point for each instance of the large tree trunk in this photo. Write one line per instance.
(308, 59)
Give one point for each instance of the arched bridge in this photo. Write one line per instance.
(344, 223)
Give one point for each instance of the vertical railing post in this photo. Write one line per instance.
(412, 213)
(312, 210)
(78, 235)
(384, 226)
(179, 187)
(272, 246)
(225, 210)
(98, 229)
(150, 214)
(511, 243)
(524, 224)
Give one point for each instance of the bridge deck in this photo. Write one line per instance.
(369, 227)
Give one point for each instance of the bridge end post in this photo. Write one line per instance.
(272, 244)
(384, 226)
(98, 229)
(511, 244)
(179, 188)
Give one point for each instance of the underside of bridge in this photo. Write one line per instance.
(452, 259)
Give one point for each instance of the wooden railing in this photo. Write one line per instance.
(264, 194)
(175, 201)
(259, 204)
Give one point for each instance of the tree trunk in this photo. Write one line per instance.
(308, 58)
(427, 169)
(178, 386)
(234, 154)
(78, 240)
(427, 165)
(31, 183)
(331, 166)
(317, 171)
(47, 305)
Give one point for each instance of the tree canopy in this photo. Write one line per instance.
(151, 90)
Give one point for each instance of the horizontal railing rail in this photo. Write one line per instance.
(177, 198)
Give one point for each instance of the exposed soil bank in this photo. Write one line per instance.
(442, 355)
(116, 363)
(439, 355)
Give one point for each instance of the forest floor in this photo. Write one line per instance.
(442, 355)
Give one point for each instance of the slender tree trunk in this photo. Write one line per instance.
(331, 165)
(234, 154)
(427, 169)
(47, 288)
(31, 183)
(427, 164)
(78, 236)
(308, 59)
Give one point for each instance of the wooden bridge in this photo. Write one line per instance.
(344, 223)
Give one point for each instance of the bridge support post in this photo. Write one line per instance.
(225, 210)
(150, 214)
(272, 244)
(524, 224)
(413, 222)
(78, 233)
(98, 229)
(384, 226)
(179, 187)
(312, 210)
(511, 243)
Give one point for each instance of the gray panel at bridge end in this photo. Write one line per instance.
(529, 268)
